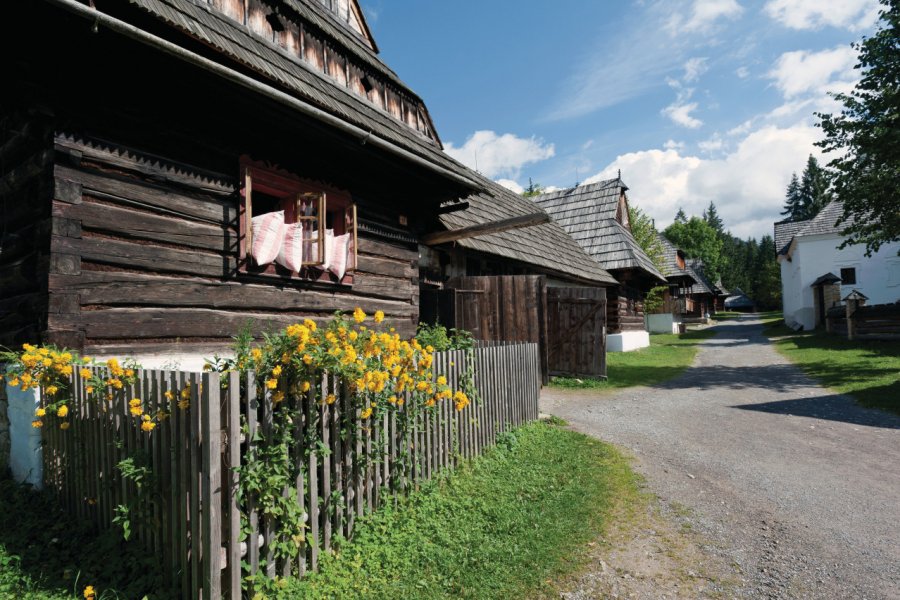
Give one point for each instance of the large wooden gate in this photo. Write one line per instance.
(576, 330)
(503, 308)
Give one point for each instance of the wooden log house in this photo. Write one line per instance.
(139, 138)
(596, 215)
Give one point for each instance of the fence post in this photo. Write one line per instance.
(211, 443)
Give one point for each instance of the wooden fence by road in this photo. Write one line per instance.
(187, 509)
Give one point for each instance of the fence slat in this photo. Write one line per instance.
(233, 516)
(252, 514)
(211, 439)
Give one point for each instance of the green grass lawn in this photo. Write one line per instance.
(505, 525)
(867, 370)
(667, 356)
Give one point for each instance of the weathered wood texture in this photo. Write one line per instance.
(624, 310)
(576, 328)
(504, 308)
(26, 187)
(146, 251)
(878, 321)
(196, 451)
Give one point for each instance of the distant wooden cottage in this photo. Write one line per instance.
(596, 215)
(133, 165)
(507, 272)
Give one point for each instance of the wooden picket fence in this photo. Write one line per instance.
(193, 518)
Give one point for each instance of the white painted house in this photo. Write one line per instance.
(815, 274)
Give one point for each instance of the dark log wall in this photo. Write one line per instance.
(624, 310)
(26, 185)
(144, 253)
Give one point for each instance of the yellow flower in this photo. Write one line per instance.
(85, 373)
(329, 399)
(207, 367)
(276, 371)
(379, 316)
(136, 411)
(366, 413)
(186, 393)
(170, 395)
(271, 383)
(353, 336)
(40, 412)
(277, 397)
(129, 373)
(256, 353)
(307, 359)
(89, 389)
(89, 593)
(47, 362)
(441, 380)
(62, 411)
(304, 387)
(134, 402)
(87, 359)
(64, 425)
(37, 423)
(358, 315)
(148, 426)
(184, 403)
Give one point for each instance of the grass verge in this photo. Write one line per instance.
(506, 525)
(667, 356)
(47, 555)
(867, 370)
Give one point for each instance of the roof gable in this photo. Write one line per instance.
(547, 245)
(595, 215)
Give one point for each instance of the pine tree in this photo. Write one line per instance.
(711, 216)
(680, 217)
(813, 190)
(793, 202)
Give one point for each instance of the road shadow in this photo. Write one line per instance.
(778, 378)
(829, 407)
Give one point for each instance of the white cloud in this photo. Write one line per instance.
(815, 14)
(802, 72)
(680, 114)
(673, 145)
(704, 15)
(742, 128)
(499, 155)
(713, 144)
(694, 68)
(742, 72)
(746, 184)
(587, 144)
(511, 185)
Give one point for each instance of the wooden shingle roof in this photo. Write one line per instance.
(287, 72)
(590, 214)
(546, 245)
(671, 267)
(785, 232)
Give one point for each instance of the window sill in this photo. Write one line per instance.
(272, 273)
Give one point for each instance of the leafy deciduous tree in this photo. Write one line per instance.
(865, 175)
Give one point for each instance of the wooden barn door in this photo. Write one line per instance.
(576, 328)
(503, 308)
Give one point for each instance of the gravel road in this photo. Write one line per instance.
(796, 487)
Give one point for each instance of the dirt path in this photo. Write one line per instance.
(789, 490)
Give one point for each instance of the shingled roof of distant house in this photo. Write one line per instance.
(275, 66)
(590, 214)
(823, 223)
(546, 245)
(703, 285)
(671, 269)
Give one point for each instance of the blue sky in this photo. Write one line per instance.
(694, 100)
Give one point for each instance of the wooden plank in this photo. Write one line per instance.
(164, 198)
(529, 220)
(131, 255)
(212, 485)
(300, 431)
(194, 475)
(325, 417)
(111, 288)
(267, 425)
(184, 486)
(252, 514)
(139, 224)
(312, 470)
(233, 518)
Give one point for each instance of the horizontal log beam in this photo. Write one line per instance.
(529, 220)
